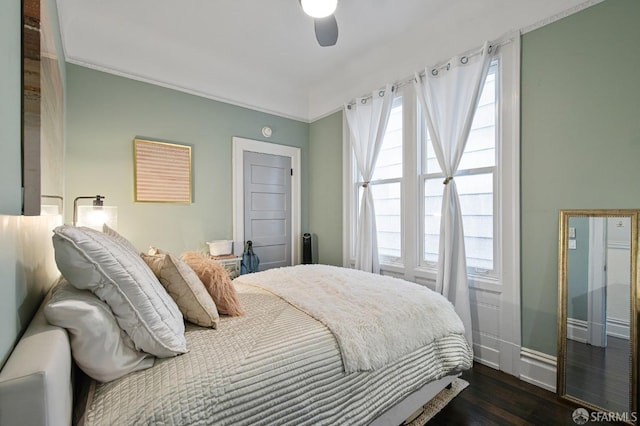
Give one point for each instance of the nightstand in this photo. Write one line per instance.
(230, 262)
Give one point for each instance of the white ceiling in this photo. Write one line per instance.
(262, 54)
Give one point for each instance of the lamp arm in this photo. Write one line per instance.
(97, 201)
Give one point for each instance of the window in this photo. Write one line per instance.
(476, 185)
(407, 186)
(386, 188)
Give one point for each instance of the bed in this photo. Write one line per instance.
(275, 364)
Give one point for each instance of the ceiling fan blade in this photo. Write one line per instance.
(326, 30)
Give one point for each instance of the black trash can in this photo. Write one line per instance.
(306, 249)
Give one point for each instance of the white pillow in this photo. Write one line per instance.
(122, 240)
(101, 349)
(91, 260)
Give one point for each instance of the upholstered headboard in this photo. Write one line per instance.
(35, 383)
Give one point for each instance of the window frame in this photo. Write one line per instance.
(494, 170)
(506, 197)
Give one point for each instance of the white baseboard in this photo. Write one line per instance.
(618, 328)
(510, 358)
(538, 369)
(577, 330)
(486, 355)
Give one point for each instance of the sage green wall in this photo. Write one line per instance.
(106, 112)
(325, 186)
(10, 110)
(580, 142)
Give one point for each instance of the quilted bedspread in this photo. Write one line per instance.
(375, 319)
(273, 366)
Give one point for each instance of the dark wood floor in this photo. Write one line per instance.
(496, 398)
(600, 375)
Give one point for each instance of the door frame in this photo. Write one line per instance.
(597, 283)
(239, 146)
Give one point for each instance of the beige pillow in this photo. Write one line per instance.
(216, 280)
(155, 250)
(184, 286)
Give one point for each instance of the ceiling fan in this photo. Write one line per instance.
(325, 23)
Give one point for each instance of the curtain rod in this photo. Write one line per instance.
(442, 65)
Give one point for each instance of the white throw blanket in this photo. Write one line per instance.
(375, 319)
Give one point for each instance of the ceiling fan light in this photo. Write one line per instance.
(319, 8)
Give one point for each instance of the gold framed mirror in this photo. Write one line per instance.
(597, 310)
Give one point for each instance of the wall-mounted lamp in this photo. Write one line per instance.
(96, 215)
(48, 209)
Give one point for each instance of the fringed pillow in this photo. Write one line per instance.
(216, 280)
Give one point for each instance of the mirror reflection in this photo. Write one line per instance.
(597, 326)
(598, 311)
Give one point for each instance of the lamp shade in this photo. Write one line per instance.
(96, 216)
(319, 8)
(49, 210)
(53, 206)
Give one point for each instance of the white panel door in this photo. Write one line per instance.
(267, 207)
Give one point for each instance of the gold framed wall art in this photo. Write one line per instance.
(162, 172)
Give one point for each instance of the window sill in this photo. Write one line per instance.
(395, 268)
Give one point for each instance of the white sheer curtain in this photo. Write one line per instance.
(367, 119)
(449, 97)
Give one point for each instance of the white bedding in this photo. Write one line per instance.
(274, 366)
(376, 319)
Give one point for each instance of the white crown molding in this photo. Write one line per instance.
(317, 108)
(166, 85)
(558, 16)
(314, 111)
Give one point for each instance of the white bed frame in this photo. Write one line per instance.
(397, 414)
(36, 386)
(35, 383)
